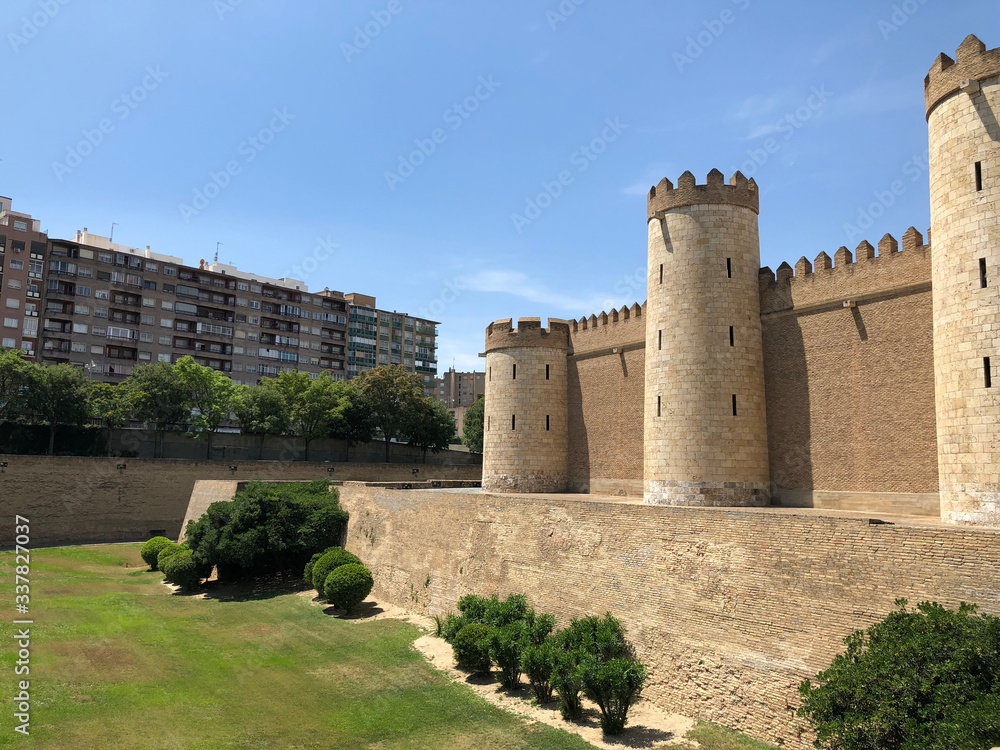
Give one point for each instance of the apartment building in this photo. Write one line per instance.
(109, 307)
(379, 337)
(459, 389)
(22, 258)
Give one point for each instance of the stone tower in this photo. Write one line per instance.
(705, 430)
(962, 97)
(526, 422)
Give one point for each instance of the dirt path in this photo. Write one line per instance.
(648, 727)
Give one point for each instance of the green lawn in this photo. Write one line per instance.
(119, 662)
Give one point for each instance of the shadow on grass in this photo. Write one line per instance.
(255, 589)
(364, 611)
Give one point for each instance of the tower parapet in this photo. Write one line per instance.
(525, 438)
(739, 192)
(705, 430)
(972, 64)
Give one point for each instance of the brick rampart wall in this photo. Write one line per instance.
(730, 609)
(86, 500)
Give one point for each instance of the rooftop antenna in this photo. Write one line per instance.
(113, 225)
(217, 251)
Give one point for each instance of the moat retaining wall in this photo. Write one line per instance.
(730, 608)
(73, 500)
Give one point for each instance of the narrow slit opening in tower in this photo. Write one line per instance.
(546, 422)
(732, 337)
(987, 374)
(546, 372)
(661, 273)
(734, 404)
(729, 268)
(979, 176)
(513, 421)
(982, 273)
(659, 339)
(488, 420)
(658, 399)
(491, 374)
(514, 373)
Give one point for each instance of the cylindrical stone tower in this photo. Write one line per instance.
(963, 103)
(526, 420)
(705, 426)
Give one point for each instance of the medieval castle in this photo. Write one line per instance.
(863, 382)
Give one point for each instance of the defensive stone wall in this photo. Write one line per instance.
(88, 500)
(849, 374)
(730, 608)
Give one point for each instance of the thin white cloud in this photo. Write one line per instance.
(625, 290)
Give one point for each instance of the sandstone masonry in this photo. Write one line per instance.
(861, 381)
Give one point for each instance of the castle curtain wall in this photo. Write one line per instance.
(849, 377)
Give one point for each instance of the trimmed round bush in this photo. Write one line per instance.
(181, 570)
(167, 552)
(151, 550)
(307, 574)
(348, 585)
(472, 647)
(326, 565)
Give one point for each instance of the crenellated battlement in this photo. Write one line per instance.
(529, 333)
(609, 329)
(739, 192)
(972, 63)
(847, 274)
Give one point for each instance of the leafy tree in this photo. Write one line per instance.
(262, 410)
(393, 395)
(211, 394)
(431, 426)
(325, 408)
(157, 396)
(110, 404)
(350, 417)
(266, 528)
(58, 395)
(472, 427)
(925, 678)
(15, 374)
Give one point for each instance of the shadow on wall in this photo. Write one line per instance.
(786, 386)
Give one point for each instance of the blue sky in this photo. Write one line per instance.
(401, 162)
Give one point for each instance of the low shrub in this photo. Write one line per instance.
(151, 550)
(507, 645)
(472, 647)
(181, 570)
(167, 552)
(924, 678)
(452, 625)
(614, 686)
(567, 679)
(327, 563)
(537, 662)
(348, 585)
(307, 575)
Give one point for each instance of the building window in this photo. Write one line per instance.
(514, 373)
(149, 285)
(732, 337)
(987, 372)
(659, 339)
(167, 305)
(78, 347)
(100, 312)
(84, 273)
(658, 405)
(20, 226)
(513, 421)
(105, 257)
(14, 303)
(546, 372)
(729, 268)
(169, 271)
(80, 328)
(979, 176)
(8, 344)
(81, 310)
(14, 283)
(102, 294)
(546, 422)
(148, 302)
(152, 268)
(982, 273)
(734, 404)
(82, 291)
(166, 323)
(15, 265)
